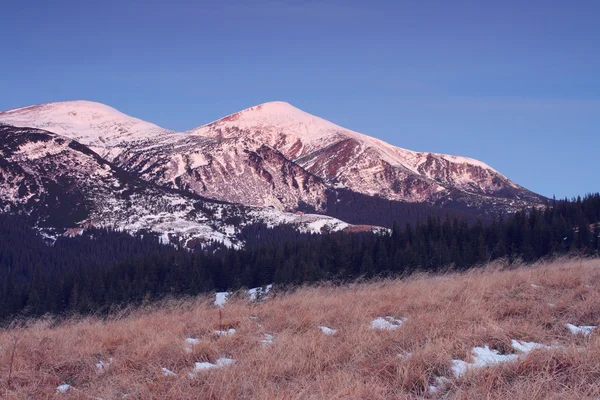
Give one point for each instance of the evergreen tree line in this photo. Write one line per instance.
(103, 269)
(375, 210)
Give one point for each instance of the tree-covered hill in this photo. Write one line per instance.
(102, 269)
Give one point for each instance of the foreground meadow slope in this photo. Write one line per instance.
(332, 342)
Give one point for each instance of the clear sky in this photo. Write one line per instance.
(515, 84)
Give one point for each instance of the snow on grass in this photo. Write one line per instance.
(482, 357)
(580, 330)
(327, 331)
(259, 293)
(221, 298)
(203, 366)
(526, 347)
(64, 388)
(387, 323)
(459, 367)
(189, 343)
(224, 362)
(102, 366)
(253, 294)
(227, 332)
(268, 340)
(438, 383)
(168, 372)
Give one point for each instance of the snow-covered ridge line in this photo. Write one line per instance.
(273, 154)
(104, 196)
(90, 123)
(91, 119)
(302, 125)
(360, 162)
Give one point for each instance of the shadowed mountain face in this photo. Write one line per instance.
(275, 155)
(64, 186)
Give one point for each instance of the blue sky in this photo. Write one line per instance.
(515, 84)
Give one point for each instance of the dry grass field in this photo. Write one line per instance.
(438, 319)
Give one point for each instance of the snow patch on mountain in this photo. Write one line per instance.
(87, 122)
(52, 178)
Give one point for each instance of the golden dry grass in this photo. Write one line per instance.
(447, 316)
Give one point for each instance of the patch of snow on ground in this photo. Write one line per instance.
(259, 292)
(253, 294)
(221, 298)
(482, 357)
(168, 372)
(327, 331)
(387, 323)
(203, 366)
(102, 366)
(189, 342)
(459, 367)
(224, 362)
(439, 381)
(580, 330)
(267, 340)
(228, 332)
(64, 388)
(526, 347)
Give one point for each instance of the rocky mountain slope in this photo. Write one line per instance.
(275, 155)
(239, 170)
(64, 186)
(365, 164)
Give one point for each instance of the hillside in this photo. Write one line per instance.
(96, 270)
(524, 333)
(61, 184)
(276, 155)
(365, 164)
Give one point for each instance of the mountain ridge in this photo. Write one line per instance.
(63, 187)
(216, 158)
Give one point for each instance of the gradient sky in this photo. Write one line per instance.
(515, 84)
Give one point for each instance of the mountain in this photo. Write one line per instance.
(64, 187)
(344, 158)
(102, 128)
(238, 170)
(275, 155)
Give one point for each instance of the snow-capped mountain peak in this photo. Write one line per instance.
(278, 121)
(279, 124)
(93, 124)
(357, 161)
(273, 154)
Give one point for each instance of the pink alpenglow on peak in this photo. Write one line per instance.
(274, 155)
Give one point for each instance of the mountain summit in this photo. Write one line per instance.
(90, 123)
(363, 163)
(277, 155)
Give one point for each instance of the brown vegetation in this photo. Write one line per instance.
(447, 316)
